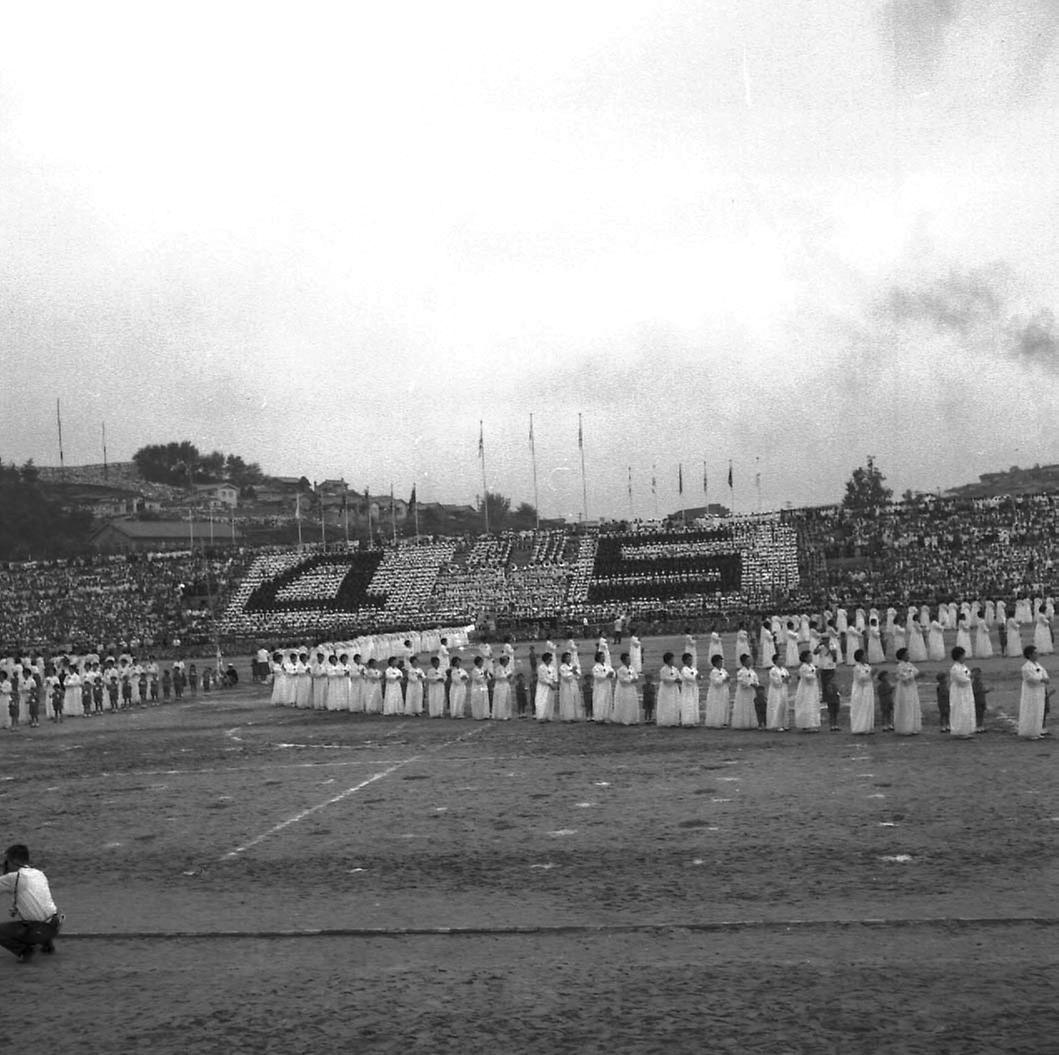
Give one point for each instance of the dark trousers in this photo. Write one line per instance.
(829, 691)
(20, 935)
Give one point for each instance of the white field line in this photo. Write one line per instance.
(276, 828)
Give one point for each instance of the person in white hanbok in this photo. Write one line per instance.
(790, 636)
(337, 699)
(935, 645)
(413, 693)
(908, 714)
(575, 656)
(776, 710)
(898, 641)
(282, 686)
(602, 690)
(742, 643)
(571, 702)
(502, 711)
(358, 686)
(875, 649)
(393, 698)
(1013, 644)
(862, 697)
(983, 646)
(961, 697)
(602, 645)
(1001, 612)
(435, 678)
(1023, 610)
(766, 647)
(854, 643)
(626, 709)
(963, 637)
(841, 620)
(318, 692)
(989, 614)
(717, 701)
(1042, 635)
(635, 654)
(458, 679)
(807, 696)
(373, 682)
(302, 681)
(479, 689)
(544, 702)
(716, 647)
(667, 700)
(743, 714)
(689, 691)
(691, 645)
(1033, 697)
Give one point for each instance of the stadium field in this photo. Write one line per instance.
(243, 878)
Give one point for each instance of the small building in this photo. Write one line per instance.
(225, 493)
(151, 536)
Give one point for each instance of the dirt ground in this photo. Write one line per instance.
(243, 878)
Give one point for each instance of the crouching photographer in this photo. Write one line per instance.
(33, 920)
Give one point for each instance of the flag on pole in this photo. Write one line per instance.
(705, 480)
(298, 506)
(412, 498)
(654, 481)
(630, 483)
(680, 478)
(531, 430)
(580, 434)
(730, 473)
(481, 441)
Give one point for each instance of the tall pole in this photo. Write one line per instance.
(191, 528)
(323, 533)
(757, 482)
(631, 511)
(106, 474)
(393, 515)
(345, 516)
(533, 459)
(680, 488)
(584, 480)
(415, 510)
(211, 523)
(59, 420)
(298, 517)
(654, 486)
(485, 488)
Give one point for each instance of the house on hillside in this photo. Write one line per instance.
(223, 492)
(150, 536)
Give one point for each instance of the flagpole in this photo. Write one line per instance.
(632, 512)
(533, 459)
(298, 517)
(323, 533)
(415, 509)
(680, 488)
(757, 482)
(345, 515)
(106, 474)
(584, 480)
(485, 488)
(393, 514)
(654, 486)
(59, 420)
(731, 486)
(705, 487)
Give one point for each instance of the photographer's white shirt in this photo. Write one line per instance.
(34, 895)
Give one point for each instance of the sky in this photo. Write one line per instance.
(333, 238)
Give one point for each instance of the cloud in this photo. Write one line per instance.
(1037, 341)
(917, 30)
(958, 302)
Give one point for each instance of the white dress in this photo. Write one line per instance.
(358, 688)
(435, 691)
(742, 644)
(936, 644)
(667, 700)
(689, 696)
(373, 681)
(743, 714)
(766, 649)
(570, 699)
(413, 693)
(716, 647)
(544, 702)
(983, 646)
(502, 692)
(479, 692)
(692, 646)
(717, 702)
(875, 649)
(791, 658)
(602, 692)
(1031, 702)
(393, 700)
(1013, 645)
(862, 701)
(908, 715)
(963, 638)
(776, 712)
(458, 693)
(807, 698)
(635, 654)
(626, 699)
(854, 642)
(1042, 635)
(961, 702)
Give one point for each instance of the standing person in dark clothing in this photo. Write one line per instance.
(980, 691)
(825, 665)
(885, 694)
(943, 700)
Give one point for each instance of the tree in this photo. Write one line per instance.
(168, 463)
(525, 517)
(497, 506)
(866, 488)
(33, 526)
